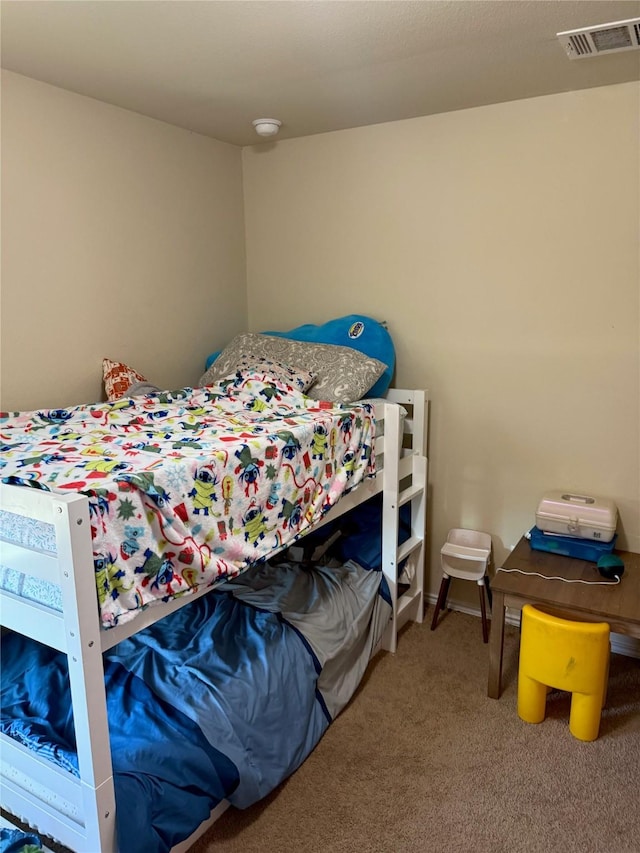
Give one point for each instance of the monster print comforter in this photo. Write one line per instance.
(189, 488)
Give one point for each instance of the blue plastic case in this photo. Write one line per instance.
(570, 546)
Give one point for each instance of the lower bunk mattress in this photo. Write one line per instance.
(222, 699)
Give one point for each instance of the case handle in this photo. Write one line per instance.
(580, 499)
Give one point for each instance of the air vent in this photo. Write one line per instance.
(604, 38)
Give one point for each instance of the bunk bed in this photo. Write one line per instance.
(73, 487)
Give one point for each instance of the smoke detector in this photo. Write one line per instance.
(603, 38)
(267, 126)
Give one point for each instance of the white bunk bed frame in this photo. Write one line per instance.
(79, 812)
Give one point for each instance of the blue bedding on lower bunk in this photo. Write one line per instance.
(221, 699)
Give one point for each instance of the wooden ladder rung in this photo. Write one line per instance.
(409, 493)
(409, 547)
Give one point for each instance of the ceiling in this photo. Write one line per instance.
(212, 66)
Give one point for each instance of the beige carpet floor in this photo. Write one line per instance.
(423, 760)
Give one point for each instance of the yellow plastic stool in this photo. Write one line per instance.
(567, 655)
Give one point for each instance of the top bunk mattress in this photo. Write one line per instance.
(189, 488)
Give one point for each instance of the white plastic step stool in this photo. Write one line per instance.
(465, 555)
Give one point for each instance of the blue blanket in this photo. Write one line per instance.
(222, 699)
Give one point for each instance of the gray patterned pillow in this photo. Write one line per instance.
(343, 374)
(302, 380)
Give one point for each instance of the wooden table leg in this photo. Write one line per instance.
(496, 640)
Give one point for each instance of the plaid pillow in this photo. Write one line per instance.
(118, 378)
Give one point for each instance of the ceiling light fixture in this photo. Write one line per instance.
(267, 126)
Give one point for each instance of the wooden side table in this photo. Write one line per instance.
(591, 601)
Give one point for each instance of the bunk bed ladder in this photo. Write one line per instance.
(404, 482)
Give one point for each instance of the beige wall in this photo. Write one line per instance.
(121, 237)
(501, 245)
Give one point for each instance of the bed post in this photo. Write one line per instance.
(390, 516)
(86, 670)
